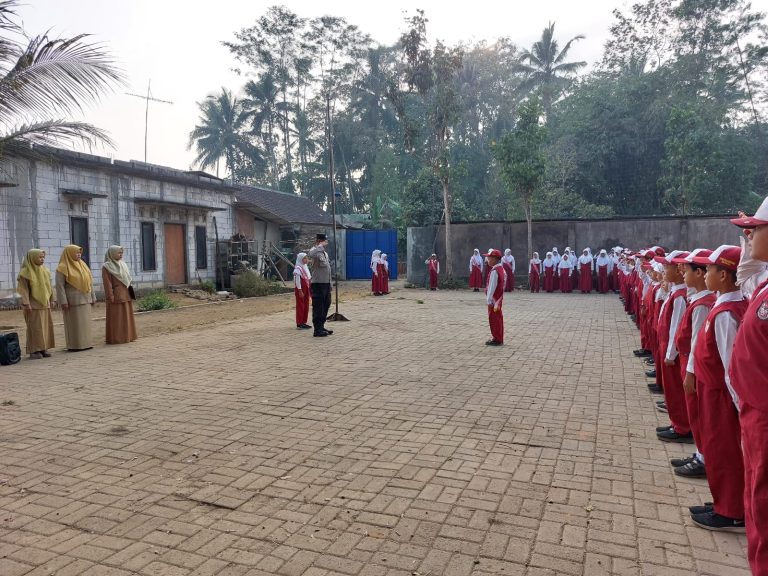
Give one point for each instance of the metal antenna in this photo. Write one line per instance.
(148, 97)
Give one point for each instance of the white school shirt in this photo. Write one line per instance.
(726, 327)
(677, 315)
(493, 280)
(531, 264)
(698, 317)
(587, 260)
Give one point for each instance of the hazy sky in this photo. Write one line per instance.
(177, 44)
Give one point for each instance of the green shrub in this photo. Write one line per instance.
(452, 284)
(208, 286)
(249, 284)
(158, 300)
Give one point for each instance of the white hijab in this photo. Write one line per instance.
(384, 261)
(535, 259)
(375, 259)
(301, 269)
(118, 268)
(476, 259)
(549, 261)
(602, 258)
(585, 258)
(508, 258)
(565, 262)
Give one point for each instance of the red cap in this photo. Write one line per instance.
(760, 217)
(699, 252)
(668, 260)
(493, 252)
(726, 256)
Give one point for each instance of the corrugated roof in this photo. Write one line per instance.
(282, 207)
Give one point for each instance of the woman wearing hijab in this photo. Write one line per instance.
(34, 285)
(550, 270)
(384, 274)
(575, 268)
(74, 291)
(433, 268)
(376, 272)
(121, 326)
(534, 272)
(603, 264)
(556, 257)
(476, 271)
(302, 290)
(585, 271)
(565, 267)
(508, 262)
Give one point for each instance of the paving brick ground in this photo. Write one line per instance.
(401, 445)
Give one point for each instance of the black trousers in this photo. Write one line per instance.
(321, 303)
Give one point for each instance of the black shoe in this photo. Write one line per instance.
(672, 436)
(661, 406)
(713, 521)
(476, 290)
(320, 334)
(708, 507)
(493, 343)
(663, 428)
(677, 462)
(650, 361)
(693, 469)
(45, 354)
(305, 327)
(655, 389)
(329, 332)
(651, 373)
(641, 353)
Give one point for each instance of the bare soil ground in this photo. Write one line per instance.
(190, 314)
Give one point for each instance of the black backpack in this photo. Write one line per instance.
(10, 350)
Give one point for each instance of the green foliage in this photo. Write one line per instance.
(452, 284)
(208, 286)
(157, 300)
(422, 201)
(249, 284)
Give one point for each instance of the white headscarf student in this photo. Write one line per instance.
(556, 256)
(476, 259)
(385, 274)
(535, 260)
(476, 271)
(376, 277)
(385, 262)
(375, 261)
(566, 262)
(508, 258)
(603, 260)
(508, 262)
(586, 258)
(302, 290)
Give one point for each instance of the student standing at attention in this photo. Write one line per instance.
(476, 271)
(749, 379)
(302, 290)
(34, 285)
(433, 268)
(494, 297)
(74, 291)
(534, 273)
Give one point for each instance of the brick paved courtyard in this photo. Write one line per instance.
(401, 445)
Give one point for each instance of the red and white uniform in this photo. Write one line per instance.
(476, 270)
(603, 266)
(376, 272)
(534, 273)
(586, 262)
(301, 280)
(508, 261)
(433, 268)
(494, 298)
(384, 274)
(565, 269)
(550, 271)
(671, 316)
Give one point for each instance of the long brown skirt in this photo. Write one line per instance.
(39, 330)
(121, 326)
(77, 327)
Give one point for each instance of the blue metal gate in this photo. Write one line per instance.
(360, 245)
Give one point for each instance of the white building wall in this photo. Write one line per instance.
(36, 214)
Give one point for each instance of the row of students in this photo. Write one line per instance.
(480, 269)
(75, 294)
(379, 273)
(703, 319)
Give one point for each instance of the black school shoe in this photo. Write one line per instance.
(663, 428)
(677, 462)
(303, 326)
(494, 343)
(650, 361)
(693, 469)
(655, 389)
(642, 352)
(708, 507)
(672, 436)
(713, 521)
(651, 373)
(321, 334)
(661, 406)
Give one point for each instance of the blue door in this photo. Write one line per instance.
(360, 245)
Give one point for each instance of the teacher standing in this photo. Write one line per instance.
(321, 286)
(74, 291)
(121, 326)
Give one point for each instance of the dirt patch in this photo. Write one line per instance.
(190, 314)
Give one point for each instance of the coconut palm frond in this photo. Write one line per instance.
(8, 15)
(55, 133)
(59, 75)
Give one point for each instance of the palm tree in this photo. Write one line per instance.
(546, 68)
(220, 133)
(260, 107)
(43, 81)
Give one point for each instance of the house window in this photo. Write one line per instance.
(148, 261)
(78, 234)
(201, 248)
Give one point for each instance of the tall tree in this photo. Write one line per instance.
(546, 67)
(43, 81)
(260, 107)
(220, 133)
(521, 158)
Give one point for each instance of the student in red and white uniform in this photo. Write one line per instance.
(550, 271)
(556, 257)
(376, 272)
(719, 433)
(433, 269)
(384, 274)
(495, 296)
(476, 271)
(615, 259)
(565, 269)
(749, 379)
(670, 317)
(660, 291)
(302, 290)
(586, 262)
(508, 261)
(534, 273)
(700, 302)
(604, 269)
(486, 269)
